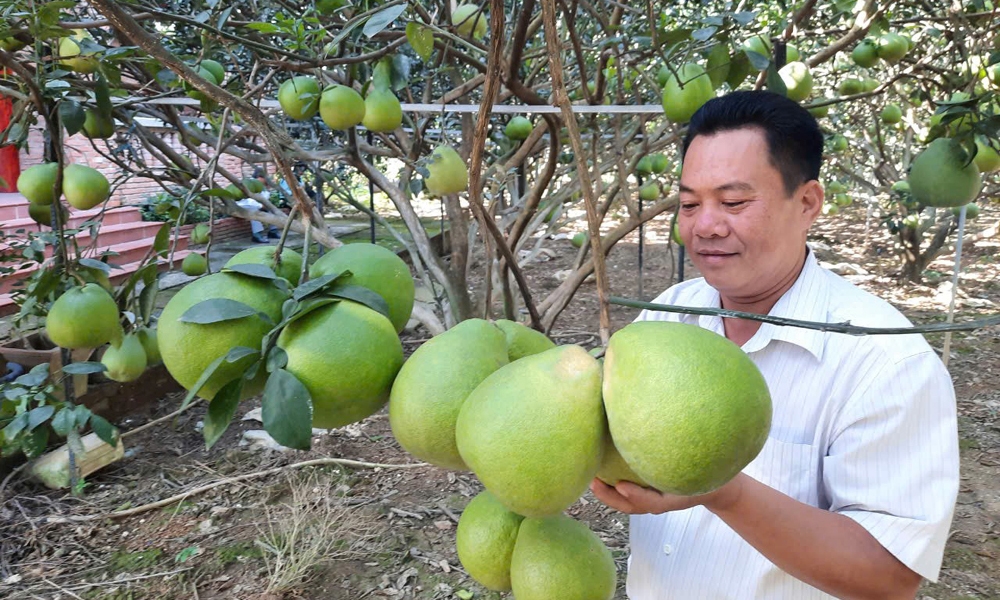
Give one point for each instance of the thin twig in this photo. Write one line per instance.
(229, 480)
(844, 327)
(156, 422)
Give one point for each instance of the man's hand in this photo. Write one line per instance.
(637, 500)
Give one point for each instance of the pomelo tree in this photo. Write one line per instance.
(321, 87)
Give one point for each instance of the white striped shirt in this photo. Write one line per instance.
(864, 426)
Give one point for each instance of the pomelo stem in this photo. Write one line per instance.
(946, 351)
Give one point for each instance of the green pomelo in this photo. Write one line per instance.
(892, 47)
(433, 384)
(579, 239)
(686, 407)
(194, 92)
(798, 80)
(987, 159)
(523, 341)
(892, 114)
(254, 186)
(485, 540)
(518, 128)
(614, 468)
(194, 264)
(901, 187)
(341, 107)
(659, 162)
(42, 214)
(820, 111)
(644, 166)
(84, 187)
(36, 182)
(685, 92)
(675, 234)
(290, 267)
(851, 86)
(215, 68)
(559, 557)
(189, 348)
(376, 268)
(125, 362)
(838, 144)
(649, 192)
(533, 431)
(97, 126)
(759, 44)
(383, 112)
(842, 200)
(347, 356)
(199, 234)
(470, 21)
(971, 210)
(869, 84)
(299, 97)
(448, 173)
(792, 53)
(70, 53)
(941, 175)
(83, 317)
(147, 337)
(865, 54)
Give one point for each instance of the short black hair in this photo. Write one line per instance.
(794, 139)
(259, 172)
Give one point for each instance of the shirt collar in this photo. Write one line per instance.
(806, 300)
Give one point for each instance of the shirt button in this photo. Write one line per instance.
(667, 549)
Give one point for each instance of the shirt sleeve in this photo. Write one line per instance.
(893, 462)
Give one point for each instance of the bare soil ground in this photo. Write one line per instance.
(336, 532)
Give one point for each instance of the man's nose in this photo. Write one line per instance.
(710, 222)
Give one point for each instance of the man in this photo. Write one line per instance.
(256, 227)
(853, 493)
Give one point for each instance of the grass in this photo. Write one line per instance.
(133, 562)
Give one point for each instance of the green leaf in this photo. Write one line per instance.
(35, 442)
(361, 295)
(421, 39)
(216, 310)
(382, 19)
(239, 352)
(286, 410)
(64, 421)
(39, 415)
(314, 285)
(701, 35)
(744, 18)
(758, 60)
(253, 270)
(38, 375)
(263, 27)
(464, 594)
(16, 426)
(221, 22)
(102, 95)
(84, 368)
(187, 553)
(147, 301)
(774, 81)
(308, 306)
(162, 240)
(221, 410)
(104, 430)
(72, 116)
(276, 359)
(95, 264)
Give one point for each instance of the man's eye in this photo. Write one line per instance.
(687, 206)
(734, 203)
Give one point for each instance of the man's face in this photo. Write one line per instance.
(743, 231)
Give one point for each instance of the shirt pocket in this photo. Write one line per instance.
(789, 468)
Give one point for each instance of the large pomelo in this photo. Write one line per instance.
(376, 268)
(523, 341)
(299, 97)
(470, 21)
(448, 173)
(614, 468)
(383, 112)
(35, 183)
(533, 431)
(125, 362)
(687, 408)
(290, 267)
(84, 187)
(987, 158)
(341, 107)
(347, 356)
(559, 557)
(148, 338)
(83, 317)
(71, 55)
(188, 349)
(685, 92)
(433, 384)
(485, 540)
(943, 176)
(798, 80)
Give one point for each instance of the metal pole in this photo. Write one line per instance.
(641, 236)
(371, 195)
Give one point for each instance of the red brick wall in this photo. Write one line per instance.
(132, 190)
(225, 229)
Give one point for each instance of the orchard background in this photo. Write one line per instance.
(508, 247)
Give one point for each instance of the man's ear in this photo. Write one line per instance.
(811, 195)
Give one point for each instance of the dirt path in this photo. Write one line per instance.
(389, 533)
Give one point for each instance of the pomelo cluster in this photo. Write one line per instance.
(673, 407)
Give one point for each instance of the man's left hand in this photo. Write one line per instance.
(633, 499)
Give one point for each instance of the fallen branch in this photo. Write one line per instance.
(229, 480)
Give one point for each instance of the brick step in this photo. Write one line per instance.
(112, 216)
(128, 252)
(8, 307)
